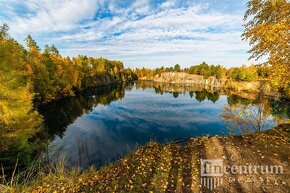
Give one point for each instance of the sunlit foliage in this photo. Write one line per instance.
(267, 29)
(18, 120)
(30, 74)
(54, 76)
(15, 91)
(243, 73)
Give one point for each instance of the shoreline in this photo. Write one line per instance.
(173, 167)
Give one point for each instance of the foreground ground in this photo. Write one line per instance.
(176, 167)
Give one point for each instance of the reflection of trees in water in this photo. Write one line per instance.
(31, 143)
(60, 114)
(175, 94)
(204, 94)
(251, 118)
(83, 150)
(201, 92)
(280, 109)
(245, 115)
(257, 115)
(200, 95)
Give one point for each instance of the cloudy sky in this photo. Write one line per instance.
(148, 33)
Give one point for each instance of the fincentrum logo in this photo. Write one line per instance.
(212, 171)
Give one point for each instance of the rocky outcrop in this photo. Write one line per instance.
(185, 78)
(182, 88)
(259, 87)
(161, 87)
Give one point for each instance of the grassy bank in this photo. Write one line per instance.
(176, 168)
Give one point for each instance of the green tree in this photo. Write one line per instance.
(177, 68)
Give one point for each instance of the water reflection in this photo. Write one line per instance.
(248, 118)
(58, 115)
(243, 115)
(101, 125)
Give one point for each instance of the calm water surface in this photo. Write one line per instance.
(99, 126)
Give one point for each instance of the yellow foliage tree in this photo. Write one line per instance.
(16, 106)
(268, 31)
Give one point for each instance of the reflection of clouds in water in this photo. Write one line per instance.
(93, 138)
(110, 131)
(164, 111)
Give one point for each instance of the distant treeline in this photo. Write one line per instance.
(53, 76)
(243, 73)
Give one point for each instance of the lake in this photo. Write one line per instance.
(100, 125)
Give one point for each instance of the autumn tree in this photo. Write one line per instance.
(267, 29)
(39, 74)
(263, 70)
(15, 89)
(54, 76)
(243, 73)
(18, 120)
(207, 70)
(28, 75)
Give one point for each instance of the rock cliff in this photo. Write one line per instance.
(185, 78)
(259, 87)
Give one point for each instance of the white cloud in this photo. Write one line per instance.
(51, 15)
(168, 4)
(163, 34)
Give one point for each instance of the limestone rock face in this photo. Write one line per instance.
(242, 88)
(185, 78)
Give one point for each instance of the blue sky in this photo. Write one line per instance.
(147, 33)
